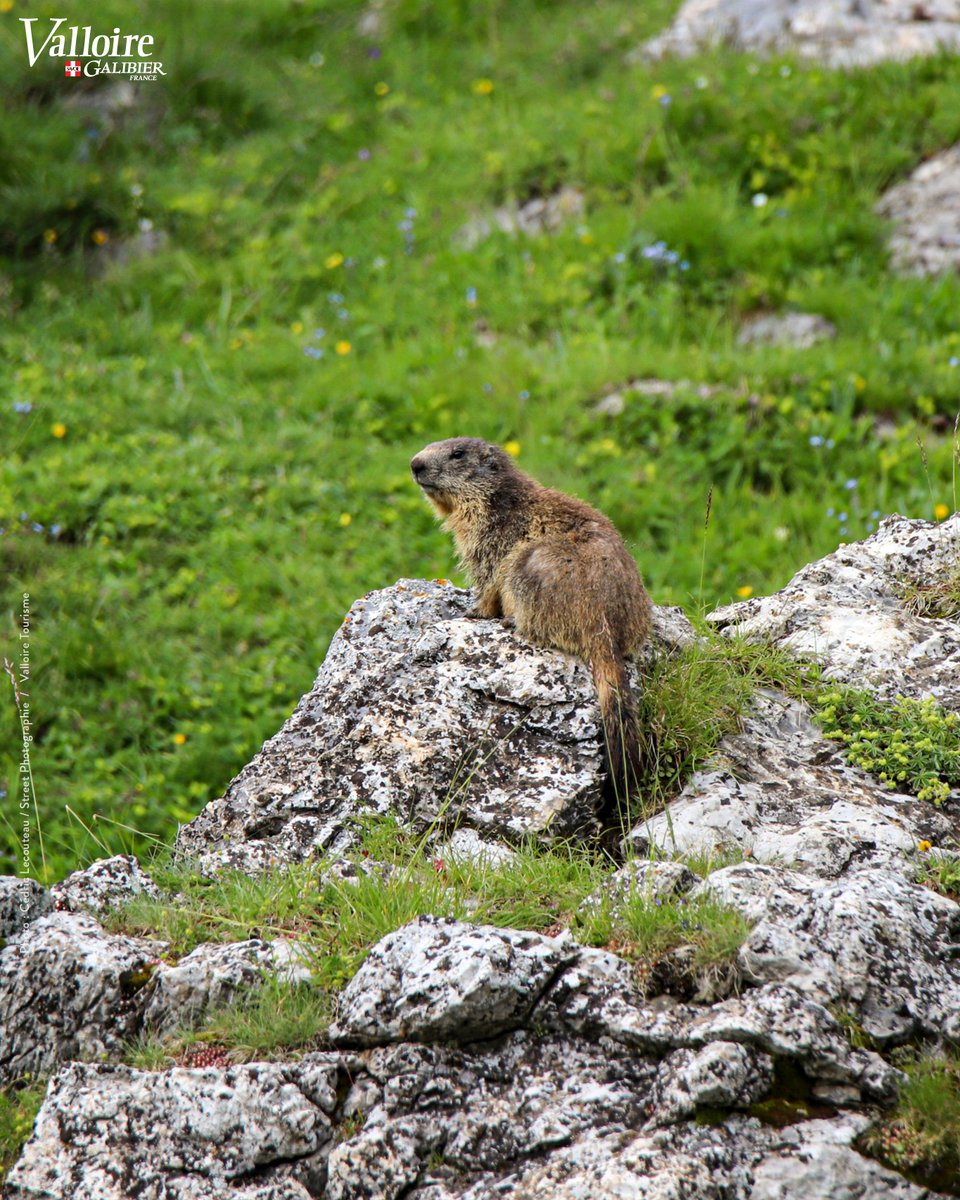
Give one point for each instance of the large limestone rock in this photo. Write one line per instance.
(838, 33)
(778, 790)
(109, 1133)
(438, 979)
(848, 611)
(426, 714)
(925, 209)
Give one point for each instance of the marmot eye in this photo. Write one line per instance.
(457, 453)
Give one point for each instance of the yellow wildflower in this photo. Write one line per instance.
(100, 237)
(179, 739)
(512, 448)
(941, 512)
(50, 236)
(381, 88)
(59, 430)
(745, 591)
(659, 91)
(482, 87)
(332, 261)
(345, 519)
(924, 846)
(5, 6)
(343, 348)
(297, 328)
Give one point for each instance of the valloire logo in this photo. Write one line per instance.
(115, 53)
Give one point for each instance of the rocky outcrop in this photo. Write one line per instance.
(838, 33)
(425, 714)
(467, 1061)
(848, 611)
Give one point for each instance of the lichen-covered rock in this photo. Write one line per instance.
(68, 990)
(439, 978)
(103, 886)
(925, 209)
(107, 1133)
(838, 33)
(781, 792)
(179, 994)
(848, 611)
(871, 942)
(424, 714)
(720, 1074)
(22, 900)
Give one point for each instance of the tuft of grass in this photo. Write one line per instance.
(939, 598)
(692, 699)
(941, 872)
(274, 1019)
(396, 877)
(921, 1137)
(19, 1105)
(910, 745)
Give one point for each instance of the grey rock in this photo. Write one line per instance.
(814, 1161)
(650, 880)
(871, 942)
(838, 33)
(925, 209)
(180, 994)
(847, 610)
(439, 978)
(22, 900)
(782, 793)
(180, 1133)
(720, 1074)
(104, 886)
(542, 214)
(68, 990)
(785, 1023)
(800, 330)
(467, 846)
(430, 716)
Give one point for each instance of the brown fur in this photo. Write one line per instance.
(552, 564)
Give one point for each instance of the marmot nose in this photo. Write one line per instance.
(417, 465)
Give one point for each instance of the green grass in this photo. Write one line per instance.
(940, 872)
(910, 745)
(221, 492)
(921, 1138)
(678, 942)
(18, 1110)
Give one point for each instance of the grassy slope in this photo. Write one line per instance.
(221, 495)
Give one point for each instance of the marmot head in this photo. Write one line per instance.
(460, 469)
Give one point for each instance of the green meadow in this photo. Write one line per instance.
(205, 447)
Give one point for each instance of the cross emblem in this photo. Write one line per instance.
(72, 69)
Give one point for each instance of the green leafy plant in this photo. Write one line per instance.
(940, 872)
(910, 745)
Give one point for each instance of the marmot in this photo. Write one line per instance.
(554, 566)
